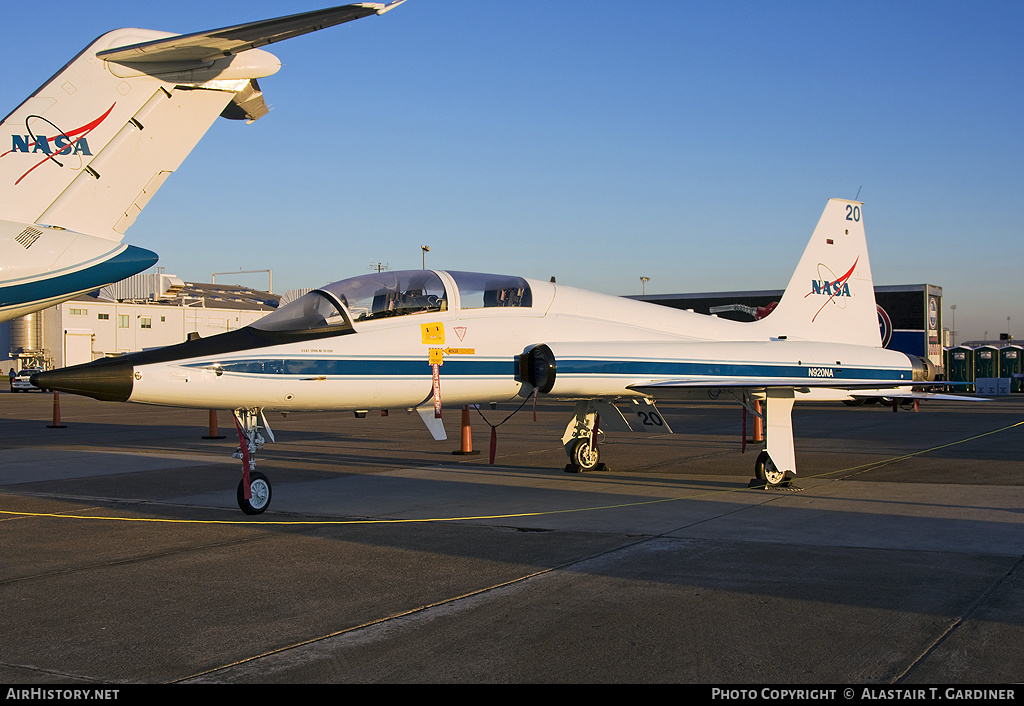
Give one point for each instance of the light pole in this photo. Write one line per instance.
(952, 325)
(643, 284)
(425, 249)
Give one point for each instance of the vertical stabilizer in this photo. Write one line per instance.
(831, 296)
(84, 154)
(88, 150)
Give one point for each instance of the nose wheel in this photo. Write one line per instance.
(259, 494)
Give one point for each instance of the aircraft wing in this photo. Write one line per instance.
(670, 389)
(217, 43)
(654, 386)
(918, 395)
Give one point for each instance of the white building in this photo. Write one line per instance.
(145, 311)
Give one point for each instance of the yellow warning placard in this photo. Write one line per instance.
(437, 356)
(433, 334)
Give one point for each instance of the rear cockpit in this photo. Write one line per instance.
(479, 291)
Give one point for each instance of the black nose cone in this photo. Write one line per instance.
(108, 379)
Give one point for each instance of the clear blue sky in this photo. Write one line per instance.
(599, 141)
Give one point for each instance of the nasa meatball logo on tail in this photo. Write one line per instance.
(837, 289)
(63, 143)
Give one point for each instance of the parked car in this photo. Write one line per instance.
(21, 382)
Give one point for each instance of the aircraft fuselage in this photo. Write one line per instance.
(599, 346)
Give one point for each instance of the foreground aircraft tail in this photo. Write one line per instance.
(87, 151)
(831, 295)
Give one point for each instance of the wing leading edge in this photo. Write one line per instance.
(656, 386)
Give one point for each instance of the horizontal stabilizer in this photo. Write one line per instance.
(218, 43)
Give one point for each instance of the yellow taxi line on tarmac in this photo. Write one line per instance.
(863, 467)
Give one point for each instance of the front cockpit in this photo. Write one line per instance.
(384, 294)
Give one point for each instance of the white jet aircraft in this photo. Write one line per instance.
(414, 339)
(87, 151)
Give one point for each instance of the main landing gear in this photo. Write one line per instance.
(254, 491)
(585, 456)
(768, 475)
(580, 440)
(776, 464)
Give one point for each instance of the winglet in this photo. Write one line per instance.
(387, 7)
(226, 41)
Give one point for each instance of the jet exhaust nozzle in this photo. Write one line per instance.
(924, 369)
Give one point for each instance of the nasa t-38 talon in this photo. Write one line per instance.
(416, 339)
(84, 154)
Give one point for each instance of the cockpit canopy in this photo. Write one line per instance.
(378, 295)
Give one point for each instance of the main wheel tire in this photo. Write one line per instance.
(259, 489)
(765, 470)
(585, 456)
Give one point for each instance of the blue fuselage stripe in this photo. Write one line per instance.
(635, 370)
(705, 369)
(360, 367)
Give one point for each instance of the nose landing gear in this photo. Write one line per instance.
(254, 491)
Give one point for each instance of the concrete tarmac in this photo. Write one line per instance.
(384, 558)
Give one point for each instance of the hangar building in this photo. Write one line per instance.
(144, 311)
